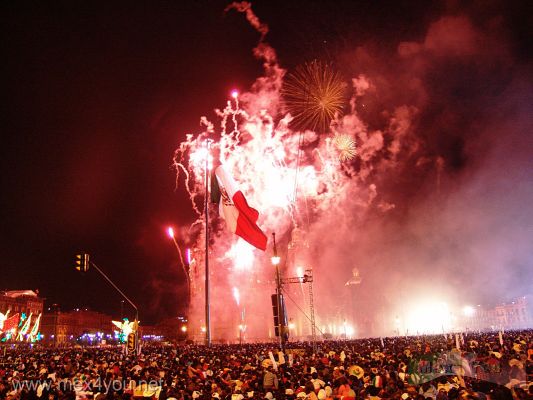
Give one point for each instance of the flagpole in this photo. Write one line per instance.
(207, 300)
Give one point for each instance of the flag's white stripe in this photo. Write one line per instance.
(226, 181)
(227, 211)
(231, 215)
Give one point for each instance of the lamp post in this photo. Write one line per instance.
(206, 217)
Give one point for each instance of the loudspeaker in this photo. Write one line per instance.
(280, 315)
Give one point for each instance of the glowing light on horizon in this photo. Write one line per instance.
(349, 330)
(469, 311)
(234, 93)
(428, 318)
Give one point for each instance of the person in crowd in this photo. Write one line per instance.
(482, 366)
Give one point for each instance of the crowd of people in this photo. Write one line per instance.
(473, 366)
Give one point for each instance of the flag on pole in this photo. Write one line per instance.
(3, 317)
(240, 218)
(274, 363)
(24, 330)
(11, 322)
(377, 381)
(35, 330)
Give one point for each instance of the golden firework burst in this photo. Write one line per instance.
(314, 94)
(345, 145)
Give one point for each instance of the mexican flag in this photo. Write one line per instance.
(240, 218)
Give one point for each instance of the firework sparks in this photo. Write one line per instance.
(314, 94)
(287, 174)
(345, 145)
(242, 255)
(188, 256)
(236, 295)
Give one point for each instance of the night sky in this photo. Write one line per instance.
(97, 96)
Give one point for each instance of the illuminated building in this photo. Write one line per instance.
(20, 312)
(21, 301)
(62, 327)
(513, 315)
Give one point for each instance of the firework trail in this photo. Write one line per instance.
(236, 296)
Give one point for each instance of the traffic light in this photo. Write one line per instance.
(82, 262)
(131, 343)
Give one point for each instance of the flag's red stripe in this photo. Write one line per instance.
(11, 322)
(250, 232)
(242, 205)
(246, 222)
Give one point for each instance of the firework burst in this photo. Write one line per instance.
(345, 145)
(314, 94)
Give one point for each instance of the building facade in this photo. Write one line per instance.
(21, 301)
(20, 315)
(513, 315)
(62, 327)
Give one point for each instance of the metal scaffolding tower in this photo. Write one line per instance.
(309, 274)
(307, 278)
